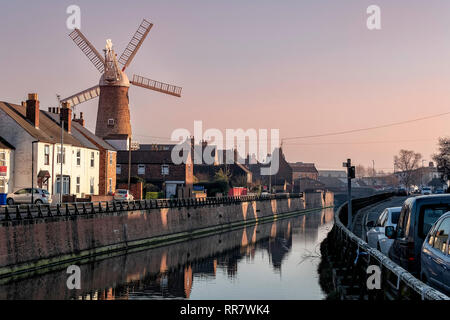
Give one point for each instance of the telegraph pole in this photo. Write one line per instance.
(351, 173)
(129, 164)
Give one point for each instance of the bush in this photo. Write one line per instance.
(154, 195)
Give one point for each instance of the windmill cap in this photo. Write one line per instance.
(123, 82)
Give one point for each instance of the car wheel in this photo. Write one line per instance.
(10, 202)
(38, 202)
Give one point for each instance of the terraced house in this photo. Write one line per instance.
(36, 137)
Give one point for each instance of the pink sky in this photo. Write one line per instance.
(299, 66)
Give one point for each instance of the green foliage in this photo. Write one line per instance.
(154, 195)
(222, 175)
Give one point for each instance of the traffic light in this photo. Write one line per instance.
(351, 172)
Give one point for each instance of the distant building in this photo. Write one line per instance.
(281, 181)
(304, 170)
(21, 125)
(333, 173)
(6, 165)
(156, 167)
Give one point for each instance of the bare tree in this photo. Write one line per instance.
(407, 162)
(360, 171)
(442, 158)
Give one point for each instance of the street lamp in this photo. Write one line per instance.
(32, 171)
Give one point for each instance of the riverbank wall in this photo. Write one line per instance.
(49, 239)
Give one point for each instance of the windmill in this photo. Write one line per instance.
(113, 115)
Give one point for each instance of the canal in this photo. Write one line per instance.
(276, 260)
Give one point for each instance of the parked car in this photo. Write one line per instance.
(123, 195)
(439, 191)
(375, 236)
(23, 196)
(435, 257)
(417, 216)
(426, 191)
(401, 192)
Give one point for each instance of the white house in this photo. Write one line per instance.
(6, 165)
(36, 136)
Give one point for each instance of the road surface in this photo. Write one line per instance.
(371, 213)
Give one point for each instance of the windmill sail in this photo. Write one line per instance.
(88, 49)
(156, 86)
(83, 96)
(135, 43)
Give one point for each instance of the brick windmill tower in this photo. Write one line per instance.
(113, 115)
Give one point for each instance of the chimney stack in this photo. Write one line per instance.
(66, 116)
(81, 120)
(32, 112)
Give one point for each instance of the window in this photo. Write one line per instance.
(110, 185)
(141, 169)
(111, 158)
(92, 181)
(78, 185)
(78, 157)
(165, 170)
(441, 236)
(46, 155)
(2, 158)
(429, 214)
(394, 216)
(2, 185)
(66, 185)
(111, 122)
(92, 159)
(58, 158)
(118, 169)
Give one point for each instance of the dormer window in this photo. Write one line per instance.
(111, 122)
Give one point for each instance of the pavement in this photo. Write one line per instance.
(371, 213)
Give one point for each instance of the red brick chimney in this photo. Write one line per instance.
(66, 116)
(33, 109)
(81, 120)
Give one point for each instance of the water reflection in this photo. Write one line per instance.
(267, 261)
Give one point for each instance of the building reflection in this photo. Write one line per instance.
(277, 244)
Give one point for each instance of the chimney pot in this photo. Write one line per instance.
(33, 96)
(32, 109)
(66, 116)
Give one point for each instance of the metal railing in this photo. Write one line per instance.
(397, 282)
(39, 211)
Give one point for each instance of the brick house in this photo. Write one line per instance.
(156, 167)
(304, 170)
(281, 181)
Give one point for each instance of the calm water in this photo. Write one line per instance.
(269, 261)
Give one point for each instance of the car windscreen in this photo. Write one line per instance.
(45, 192)
(429, 214)
(122, 192)
(395, 215)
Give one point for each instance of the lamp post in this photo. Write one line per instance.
(32, 171)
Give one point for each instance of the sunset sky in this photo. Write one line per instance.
(304, 67)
